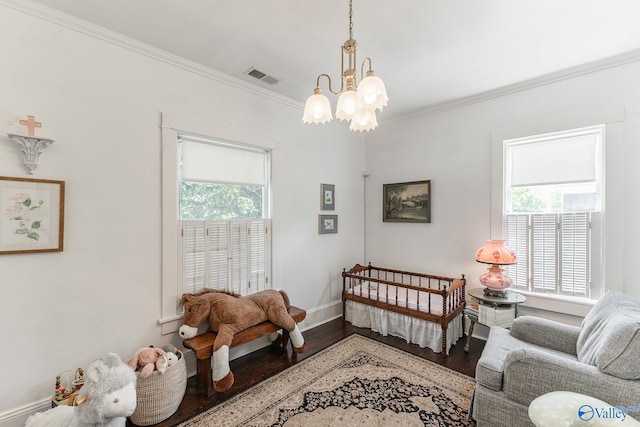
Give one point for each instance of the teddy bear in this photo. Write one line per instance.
(148, 359)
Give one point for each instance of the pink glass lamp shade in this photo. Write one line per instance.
(496, 254)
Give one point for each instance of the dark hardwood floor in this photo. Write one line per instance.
(264, 363)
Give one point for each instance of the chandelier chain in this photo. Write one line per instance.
(350, 19)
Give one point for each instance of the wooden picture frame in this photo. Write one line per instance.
(32, 215)
(407, 202)
(327, 224)
(327, 197)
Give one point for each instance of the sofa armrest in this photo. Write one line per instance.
(546, 333)
(529, 373)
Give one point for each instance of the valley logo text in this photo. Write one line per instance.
(588, 412)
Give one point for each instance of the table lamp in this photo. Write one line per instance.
(496, 254)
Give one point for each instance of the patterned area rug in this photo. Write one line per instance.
(355, 382)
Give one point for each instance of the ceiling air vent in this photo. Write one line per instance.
(262, 76)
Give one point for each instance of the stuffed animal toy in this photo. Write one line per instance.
(172, 354)
(148, 359)
(228, 314)
(107, 398)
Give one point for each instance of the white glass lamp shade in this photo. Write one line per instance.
(317, 109)
(371, 91)
(364, 119)
(346, 107)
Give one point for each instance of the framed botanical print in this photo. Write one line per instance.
(32, 217)
(327, 224)
(327, 194)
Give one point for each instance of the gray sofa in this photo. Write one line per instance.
(600, 359)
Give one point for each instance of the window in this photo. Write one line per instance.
(553, 197)
(223, 229)
(216, 230)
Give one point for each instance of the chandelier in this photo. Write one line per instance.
(357, 103)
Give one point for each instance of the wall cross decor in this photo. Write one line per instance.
(31, 125)
(29, 144)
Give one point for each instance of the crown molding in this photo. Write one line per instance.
(56, 17)
(568, 73)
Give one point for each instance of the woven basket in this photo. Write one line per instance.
(159, 395)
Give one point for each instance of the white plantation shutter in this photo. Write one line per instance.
(228, 255)
(218, 250)
(553, 251)
(239, 257)
(193, 255)
(544, 250)
(518, 241)
(258, 262)
(575, 250)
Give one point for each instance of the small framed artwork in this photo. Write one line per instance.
(327, 224)
(32, 217)
(406, 202)
(327, 194)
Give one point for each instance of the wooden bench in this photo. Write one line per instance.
(202, 345)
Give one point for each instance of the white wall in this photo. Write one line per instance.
(102, 104)
(453, 149)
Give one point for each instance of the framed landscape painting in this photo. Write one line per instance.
(32, 215)
(406, 202)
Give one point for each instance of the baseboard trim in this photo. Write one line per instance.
(18, 416)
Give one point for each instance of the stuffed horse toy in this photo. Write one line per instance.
(106, 399)
(228, 314)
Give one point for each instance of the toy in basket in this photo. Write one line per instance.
(159, 394)
(67, 389)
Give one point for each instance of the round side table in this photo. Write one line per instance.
(511, 299)
(569, 409)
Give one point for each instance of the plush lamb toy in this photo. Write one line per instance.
(172, 354)
(228, 314)
(148, 359)
(107, 398)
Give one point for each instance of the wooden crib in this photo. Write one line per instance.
(422, 308)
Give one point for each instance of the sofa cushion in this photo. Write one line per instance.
(490, 367)
(546, 333)
(610, 336)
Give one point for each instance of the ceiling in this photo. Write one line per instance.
(428, 52)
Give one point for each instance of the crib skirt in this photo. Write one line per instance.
(413, 330)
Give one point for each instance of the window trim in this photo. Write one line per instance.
(611, 254)
(171, 127)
